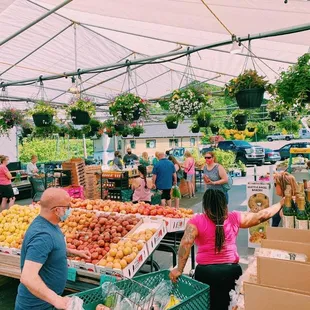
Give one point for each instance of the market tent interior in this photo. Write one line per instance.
(89, 34)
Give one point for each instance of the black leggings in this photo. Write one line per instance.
(276, 219)
(221, 279)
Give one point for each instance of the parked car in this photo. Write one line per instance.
(204, 150)
(285, 150)
(178, 152)
(245, 152)
(280, 136)
(271, 156)
(304, 133)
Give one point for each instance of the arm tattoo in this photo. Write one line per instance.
(185, 246)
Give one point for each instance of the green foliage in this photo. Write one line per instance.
(276, 106)
(240, 112)
(249, 79)
(226, 158)
(137, 130)
(290, 125)
(9, 118)
(203, 114)
(83, 104)
(42, 107)
(172, 118)
(241, 166)
(46, 149)
(293, 84)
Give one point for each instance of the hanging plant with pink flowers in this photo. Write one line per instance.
(9, 118)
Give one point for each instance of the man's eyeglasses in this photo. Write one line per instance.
(208, 157)
(67, 207)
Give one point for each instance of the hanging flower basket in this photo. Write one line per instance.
(241, 127)
(119, 127)
(135, 115)
(251, 129)
(80, 117)
(172, 121)
(42, 119)
(137, 130)
(250, 98)
(136, 134)
(195, 129)
(276, 116)
(203, 118)
(27, 131)
(110, 134)
(214, 129)
(241, 119)
(203, 122)
(172, 125)
(271, 127)
(124, 135)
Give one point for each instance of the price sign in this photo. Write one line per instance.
(107, 278)
(300, 150)
(71, 274)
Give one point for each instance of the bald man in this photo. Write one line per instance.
(44, 256)
(164, 176)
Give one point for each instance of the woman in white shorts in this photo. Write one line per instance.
(189, 169)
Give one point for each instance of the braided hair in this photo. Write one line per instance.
(215, 208)
(142, 170)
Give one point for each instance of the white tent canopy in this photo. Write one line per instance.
(94, 33)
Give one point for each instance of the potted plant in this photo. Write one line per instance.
(46, 131)
(109, 128)
(137, 130)
(27, 128)
(195, 127)
(203, 118)
(187, 102)
(125, 132)
(293, 86)
(276, 110)
(81, 110)
(9, 118)
(240, 119)
(42, 114)
(251, 127)
(119, 126)
(248, 89)
(242, 168)
(128, 107)
(215, 127)
(172, 121)
(94, 126)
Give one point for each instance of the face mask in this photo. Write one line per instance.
(129, 153)
(65, 216)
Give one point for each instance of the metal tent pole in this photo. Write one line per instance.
(34, 22)
(184, 51)
(32, 52)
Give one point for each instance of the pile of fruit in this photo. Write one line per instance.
(85, 230)
(13, 224)
(125, 251)
(130, 208)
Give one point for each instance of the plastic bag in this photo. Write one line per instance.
(109, 291)
(162, 294)
(176, 192)
(75, 303)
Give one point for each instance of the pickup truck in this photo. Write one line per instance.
(245, 152)
(280, 136)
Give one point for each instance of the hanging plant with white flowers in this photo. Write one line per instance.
(187, 102)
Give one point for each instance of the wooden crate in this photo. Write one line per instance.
(77, 168)
(92, 182)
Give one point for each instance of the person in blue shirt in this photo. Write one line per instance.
(44, 256)
(164, 176)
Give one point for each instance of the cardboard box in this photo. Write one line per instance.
(291, 275)
(287, 234)
(296, 247)
(259, 297)
(11, 251)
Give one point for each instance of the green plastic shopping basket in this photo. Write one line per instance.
(193, 294)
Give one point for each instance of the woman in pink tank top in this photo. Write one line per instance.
(142, 188)
(215, 233)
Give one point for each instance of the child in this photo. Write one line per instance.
(142, 187)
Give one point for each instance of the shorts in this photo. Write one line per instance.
(189, 177)
(6, 191)
(166, 194)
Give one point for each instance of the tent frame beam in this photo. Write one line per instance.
(18, 32)
(181, 52)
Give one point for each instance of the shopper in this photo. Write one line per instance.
(6, 190)
(179, 172)
(155, 159)
(142, 187)
(164, 176)
(130, 158)
(117, 161)
(189, 169)
(281, 181)
(144, 160)
(214, 174)
(43, 256)
(215, 234)
(32, 169)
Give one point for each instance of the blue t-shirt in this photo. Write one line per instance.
(44, 243)
(164, 171)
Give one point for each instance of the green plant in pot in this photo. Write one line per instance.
(172, 121)
(109, 128)
(240, 118)
(195, 127)
(81, 110)
(293, 85)
(119, 126)
(137, 130)
(203, 118)
(276, 110)
(248, 89)
(251, 126)
(126, 131)
(27, 128)
(129, 107)
(95, 125)
(9, 118)
(242, 168)
(42, 114)
(215, 127)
